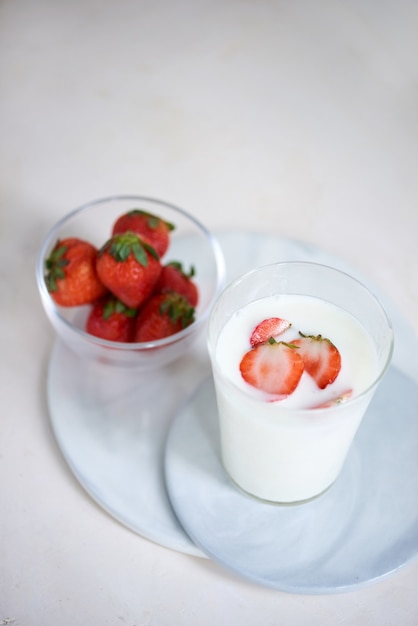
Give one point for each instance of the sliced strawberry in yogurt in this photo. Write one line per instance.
(270, 327)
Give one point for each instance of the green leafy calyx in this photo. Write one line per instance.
(153, 221)
(178, 308)
(318, 338)
(121, 246)
(54, 265)
(113, 305)
(179, 267)
(273, 342)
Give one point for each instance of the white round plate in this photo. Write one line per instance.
(363, 528)
(112, 427)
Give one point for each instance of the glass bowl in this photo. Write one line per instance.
(190, 242)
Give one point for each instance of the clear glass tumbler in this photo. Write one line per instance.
(275, 451)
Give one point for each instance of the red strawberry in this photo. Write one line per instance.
(271, 327)
(163, 315)
(129, 267)
(112, 320)
(151, 227)
(71, 276)
(333, 401)
(174, 278)
(273, 367)
(321, 358)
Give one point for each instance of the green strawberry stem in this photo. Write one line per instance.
(54, 265)
(113, 305)
(272, 341)
(316, 338)
(152, 220)
(179, 267)
(178, 308)
(121, 246)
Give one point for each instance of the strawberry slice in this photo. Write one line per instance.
(321, 358)
(270, 327)
(273, 367)
(333, 401)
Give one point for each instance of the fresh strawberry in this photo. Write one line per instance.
(333, 401)
(321, 358)
(174, 278)
(151, 227)
(71, 276)
(129, 267)
(112, 320)
(270, 327)
(163, 315)
(273, 367)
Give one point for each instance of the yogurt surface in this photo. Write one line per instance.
(311, 316)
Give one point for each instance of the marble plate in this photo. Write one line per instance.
(112, 428)
(362, 529)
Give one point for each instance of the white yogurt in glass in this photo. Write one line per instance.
(282, 450)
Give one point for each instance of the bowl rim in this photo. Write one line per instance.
(53, 308)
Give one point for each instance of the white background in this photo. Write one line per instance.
(295, 118)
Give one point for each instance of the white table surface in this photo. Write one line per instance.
(295, 118)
